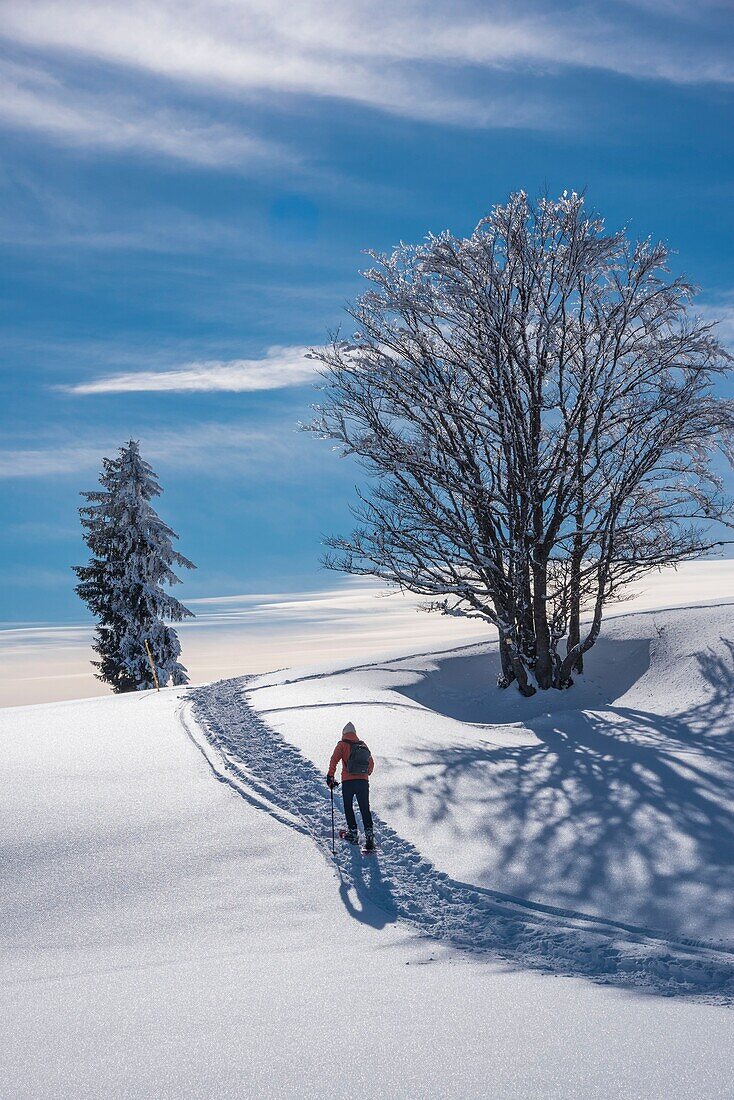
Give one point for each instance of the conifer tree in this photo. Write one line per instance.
(122, 584)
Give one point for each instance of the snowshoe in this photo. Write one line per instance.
(369, 843)
(349, 835)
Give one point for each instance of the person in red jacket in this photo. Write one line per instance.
(357, 765)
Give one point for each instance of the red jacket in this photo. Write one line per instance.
(340, 755)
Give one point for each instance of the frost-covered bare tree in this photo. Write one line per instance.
(536, 405)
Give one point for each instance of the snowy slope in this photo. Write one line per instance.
(614, 798)
(165, 934)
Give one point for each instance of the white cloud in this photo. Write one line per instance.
(32, 99)
(721, 312)
(281, 367)
(210, 447)
(390, 56)
(418, 59)
(352, 50)
(45, 461)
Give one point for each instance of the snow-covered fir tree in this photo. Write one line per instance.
(122, 584)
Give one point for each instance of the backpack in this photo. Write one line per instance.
(359, 759)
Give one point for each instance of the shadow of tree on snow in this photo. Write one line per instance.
(619, 810)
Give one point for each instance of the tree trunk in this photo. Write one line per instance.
(574, 618)
(514, 669)
(507, 674)
(544, 657)
(577, 553)
(521, 675)
(522, 601)
(572, 657)
(528, 646)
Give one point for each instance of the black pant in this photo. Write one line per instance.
(360, 788)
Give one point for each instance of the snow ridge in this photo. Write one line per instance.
(399, 882)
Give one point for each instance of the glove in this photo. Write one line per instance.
(331, 783)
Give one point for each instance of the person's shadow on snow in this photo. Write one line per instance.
(365, 894)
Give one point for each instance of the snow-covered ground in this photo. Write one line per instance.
(616, 797)
(167, 935)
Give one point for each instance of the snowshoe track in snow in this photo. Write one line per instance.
(274, 776)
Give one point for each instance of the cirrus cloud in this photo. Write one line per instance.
(281, 367)
(33, 99)
(386, 55)
(209, 447)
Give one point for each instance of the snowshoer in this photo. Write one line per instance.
(357, 765)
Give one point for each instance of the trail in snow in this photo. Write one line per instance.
(400, 883)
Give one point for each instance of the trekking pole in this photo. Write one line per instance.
(333, 834)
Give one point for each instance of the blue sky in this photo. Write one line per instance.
(185, 194)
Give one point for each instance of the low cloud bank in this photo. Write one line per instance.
(347, 623)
